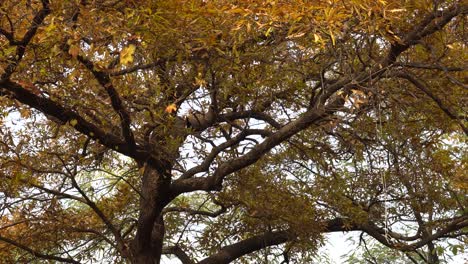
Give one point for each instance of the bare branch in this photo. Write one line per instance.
(195, 212)
(249, 114)
(210, 158)
(431, 67)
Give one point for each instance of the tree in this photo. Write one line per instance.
(221, 131)
(378, 253)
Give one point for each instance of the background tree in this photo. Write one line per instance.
(221, 131)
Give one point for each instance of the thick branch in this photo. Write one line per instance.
(244, 247)
(210, 158)
(179, 253)
(148, 241)
(116, 102)
(52, 108)
(214, 182)
(249, 245)
(429, 24)
(437, 21)
(8, 35)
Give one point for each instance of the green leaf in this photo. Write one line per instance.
(73, 122)
(126, 55)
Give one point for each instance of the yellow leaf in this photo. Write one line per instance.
(74, 50)
(126, 55)
(73, 122)
(358, 92)
(200, 81)
(332, 36)
(296, 35)
(396, 10)
(171, 108)
(316, 38)
(25, 112)
(51, 26)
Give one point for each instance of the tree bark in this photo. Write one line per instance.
(148, 242)
(229, 253)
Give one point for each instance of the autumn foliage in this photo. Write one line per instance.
(231, 131)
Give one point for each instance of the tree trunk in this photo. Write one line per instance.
(432, 257)
(148, 242)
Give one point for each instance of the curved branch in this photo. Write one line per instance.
(57, 193)
(92, 231)
(120, 242)
(179, 253)
(214, 182)
(195, 212)
(249, 245)
(63, 114)
(249, 114)
(21, 48)
(429, 24)
(244, 247)
(380, 235)
(8, 35)
(117, 104)
(216, 150)
(36, 253)
(421, 86)
(431, 67)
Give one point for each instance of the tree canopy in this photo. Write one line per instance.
(231, 131)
